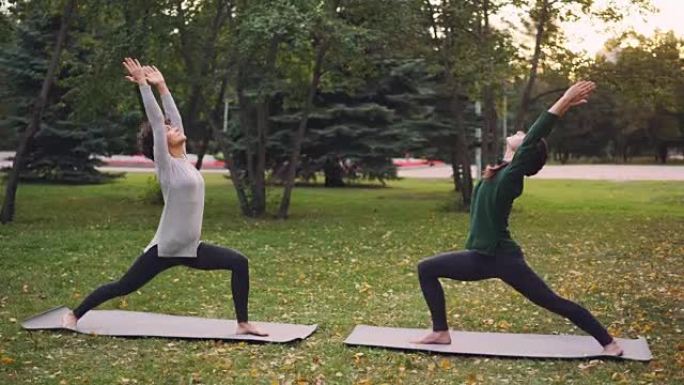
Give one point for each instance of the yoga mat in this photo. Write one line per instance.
(497, 344)
(122, 323)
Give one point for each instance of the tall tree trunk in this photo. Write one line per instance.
(490, 137)
(200, 68)
(246, 127)
(455, 171)
(333, 173)
(8, 206)
(254, 118)
(214, 121)
(202, 149)
(661, 151)
(459, 151)
(259, 190)
(462, 152)
(262, 127)
(234, 174)
(299, 137)
(532, 77)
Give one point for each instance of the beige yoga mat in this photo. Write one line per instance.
(497, 344)
(122, 323)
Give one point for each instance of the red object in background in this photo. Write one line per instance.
(140, 160)
(415, 162)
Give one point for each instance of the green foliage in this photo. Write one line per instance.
(63, 148)
(152, 193)
(417, 91)
(637, 109)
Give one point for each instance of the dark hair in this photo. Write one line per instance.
(146, 140)
(540, 157)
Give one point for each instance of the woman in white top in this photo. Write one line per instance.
(177, 240)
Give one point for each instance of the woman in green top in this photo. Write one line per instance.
(491, 253)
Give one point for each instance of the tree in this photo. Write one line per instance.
(203, 32)
(420, 95)
(6, 42)
(453, 44)
(494, 51)
(545, 17)
(637, 107)
(62, 149)
(321, 41)
(351, 134)
(647, 79)
(7, 213)
(259, 29)
(343, 30)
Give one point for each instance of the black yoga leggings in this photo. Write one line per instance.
(511, 268)
(148, 265)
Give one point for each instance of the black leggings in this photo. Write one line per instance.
(511, 268)
(148, 265)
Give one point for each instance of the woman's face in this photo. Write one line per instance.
(514, 141)
(174, 136)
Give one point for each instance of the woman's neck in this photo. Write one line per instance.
(177, 151)
(508, 155)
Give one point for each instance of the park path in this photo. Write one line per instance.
(582, 171)
(587, 171)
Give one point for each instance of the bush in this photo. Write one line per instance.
(152, 193)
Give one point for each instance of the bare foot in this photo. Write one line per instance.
(248, 328)
(612, 349)
(69, 321)
(440, 338)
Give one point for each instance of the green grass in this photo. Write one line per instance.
(346, 256)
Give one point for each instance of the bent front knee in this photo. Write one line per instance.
(424, 268)
(242, 264)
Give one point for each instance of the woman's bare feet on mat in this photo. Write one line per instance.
(440, 338)
(612, 349)
(69, 321)
(248, 328)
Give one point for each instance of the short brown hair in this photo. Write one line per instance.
(146, 140)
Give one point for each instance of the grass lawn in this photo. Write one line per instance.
(346, 256)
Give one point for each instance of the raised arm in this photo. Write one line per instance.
(576, 95)
(154, 76)
(162, 158)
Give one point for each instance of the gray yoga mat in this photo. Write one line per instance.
(122, 323)
(497, 344)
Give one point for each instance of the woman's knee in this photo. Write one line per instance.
(425, 267)
(241, 262)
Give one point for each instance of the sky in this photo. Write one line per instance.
(589, 35)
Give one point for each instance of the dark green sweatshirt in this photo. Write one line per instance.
(493, 199)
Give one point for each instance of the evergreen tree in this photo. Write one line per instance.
(62, 150)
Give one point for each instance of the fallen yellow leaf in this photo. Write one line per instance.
(445, 364)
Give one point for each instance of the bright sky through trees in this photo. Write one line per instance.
(589, 34)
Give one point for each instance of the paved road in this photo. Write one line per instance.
(589, 172)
